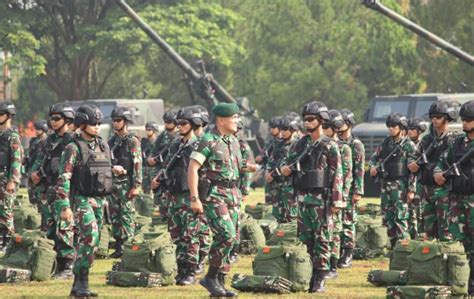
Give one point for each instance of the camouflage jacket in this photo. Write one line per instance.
(245, 177)
(133, 149)
(358, 165)
(147, 147)
(346, 160)
(13, 152)
(34, 150)
(161, 146)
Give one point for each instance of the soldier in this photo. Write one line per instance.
(46, 171)
(416, 128)
(147, 144)
(432, 146)
(318, 187)
(390, 162)
(158, 155)
(85, 178)
(330, 129)
(11, 154)
(219, 153)
(285, 207)
(36, 147)
(127, 177)
(204, 120)
(461, 184)
(356, 191)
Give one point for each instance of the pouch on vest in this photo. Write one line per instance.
(133, 279)
(312, 180)
(396, 170)
(418, 291)
(427, 171)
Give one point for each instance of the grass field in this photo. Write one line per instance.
(350, 284)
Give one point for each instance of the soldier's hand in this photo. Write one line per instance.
(151, 161)
(155, 183)
(118, 170)
(66, 214)
(244, 198)
(196, 206)
(285, 170)
(259, 159)
(268, 177)
(410, 196)
(35, 178)
(356, 198)
(132, 193)
(335, 210)
(413, 167)
(250, 167)
(373, 171)
(10, 188)
(439, 178)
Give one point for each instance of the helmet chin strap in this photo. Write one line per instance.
(315, 128)
(62, 126)
(186, 134)
(3, 122)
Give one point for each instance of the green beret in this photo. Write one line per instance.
(225, 109)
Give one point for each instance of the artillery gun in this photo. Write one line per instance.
(204, 84)
(429, 36)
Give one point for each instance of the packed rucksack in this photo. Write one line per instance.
(133, 279)
(144, 204)
(399, 255)
(371, 209)
(371, 238)
(387, 278)
(418, 291)
(26, 216)
(103, 248)
(285, 234)
(259, 210)
(251, 236)
(262, 284)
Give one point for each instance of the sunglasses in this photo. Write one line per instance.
(437, 116)
(392, 125)
(467, 120)
(55, 118)
(183, 122)
(95, 125)
(285, 128)
(2, 114)
(310, 118)
(325, 127)
(117, 120)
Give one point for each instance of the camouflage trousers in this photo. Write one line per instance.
(188, 230)
(461, 220)
(148, 174)
(415, 216)
(335, 243)
(436, 213)
(45, 211)
(348, 224)
(6, 208)
(285, 206)
(34, 193)
(122, 211)
(395, 209)
(223, 231)
(268, 193)
(162, 199)
(88, 219)
(234, 212)
(61, 231)
(315, 229)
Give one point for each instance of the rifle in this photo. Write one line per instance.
(453, 170)
(381, 168)
(163, 174)
(423, 159)
(295, 165)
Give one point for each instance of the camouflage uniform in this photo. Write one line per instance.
(434, 197)
(269, 146)
(396, 186)
(11, 155)
(149, 172)
(127, 153)
(415, 208)
(222, 160)
(35, 148)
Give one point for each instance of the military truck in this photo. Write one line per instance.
(373, 130)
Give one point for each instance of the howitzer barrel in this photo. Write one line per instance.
(438, 41)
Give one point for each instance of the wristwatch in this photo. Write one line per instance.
(193, 198)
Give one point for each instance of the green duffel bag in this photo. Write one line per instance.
(411, 292)
(150, 254)
(144, 204)
(439, 263)
(261, 284)
(285, 234)
(370, 209)
(103, 248)
(387, 278)
(399, 254)
(14, 275)
(142, 223)
(258, 211)
(290, 262)
(26, 216)
(268, 226)
(133, 279)
(251, 237)
(371, 238)
(32, 251)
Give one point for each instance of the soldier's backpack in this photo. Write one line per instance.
(371, 209)
(14, 275)
(26, 216)
(154, 253)
(142, 223)
(290, 262)
(386, 278)
(439, 263)
(259, 210)
(251, 236)
(261, 284)
(144, 204)
(103, 248)
(408, 292)
(32, 251)
(285, 234)
(133, 279)
(371, 238)
(268, 225)
(399, 255)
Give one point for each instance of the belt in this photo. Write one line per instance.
(225, 184)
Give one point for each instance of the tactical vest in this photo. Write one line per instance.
(313, 177)
(36, 146)
(93, 176)
(433, 156)
(463, 184)
(120, 147)
(177, 175)
(395, 168)
(5, 151)
(54, 150)
(280, 150)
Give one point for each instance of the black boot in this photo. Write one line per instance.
(181, 271)
(74, 286)
(64, 268)
(333, 272)
(318, 281)
(234, 254)
(118, 249)
(221, 278)
(211, 283)
(346, 258)
(393, 242)
(82, 286)
(202, 261)
(189, 277)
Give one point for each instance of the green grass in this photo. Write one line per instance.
(351, 282)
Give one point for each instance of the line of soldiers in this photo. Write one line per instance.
(428, 182)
